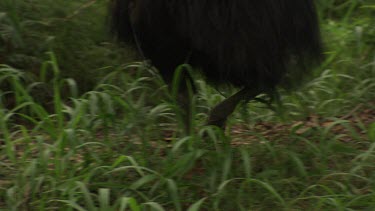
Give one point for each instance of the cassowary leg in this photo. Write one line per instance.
(182, 92)
(184, 102)
(220, 112)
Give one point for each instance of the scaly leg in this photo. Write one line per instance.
(220, 112)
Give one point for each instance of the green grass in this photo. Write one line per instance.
(114, 140)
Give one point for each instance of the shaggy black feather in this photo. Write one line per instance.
(256, 44)
(247, 43)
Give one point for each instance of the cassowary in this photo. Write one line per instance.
(255, 45)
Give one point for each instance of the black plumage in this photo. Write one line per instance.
(252, 44)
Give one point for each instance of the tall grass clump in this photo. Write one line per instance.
(76, 31)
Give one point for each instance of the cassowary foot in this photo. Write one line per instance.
(220, 113)
(220, 123)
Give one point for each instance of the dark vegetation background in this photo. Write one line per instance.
(84, 127)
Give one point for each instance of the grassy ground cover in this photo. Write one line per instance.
(84, 128)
